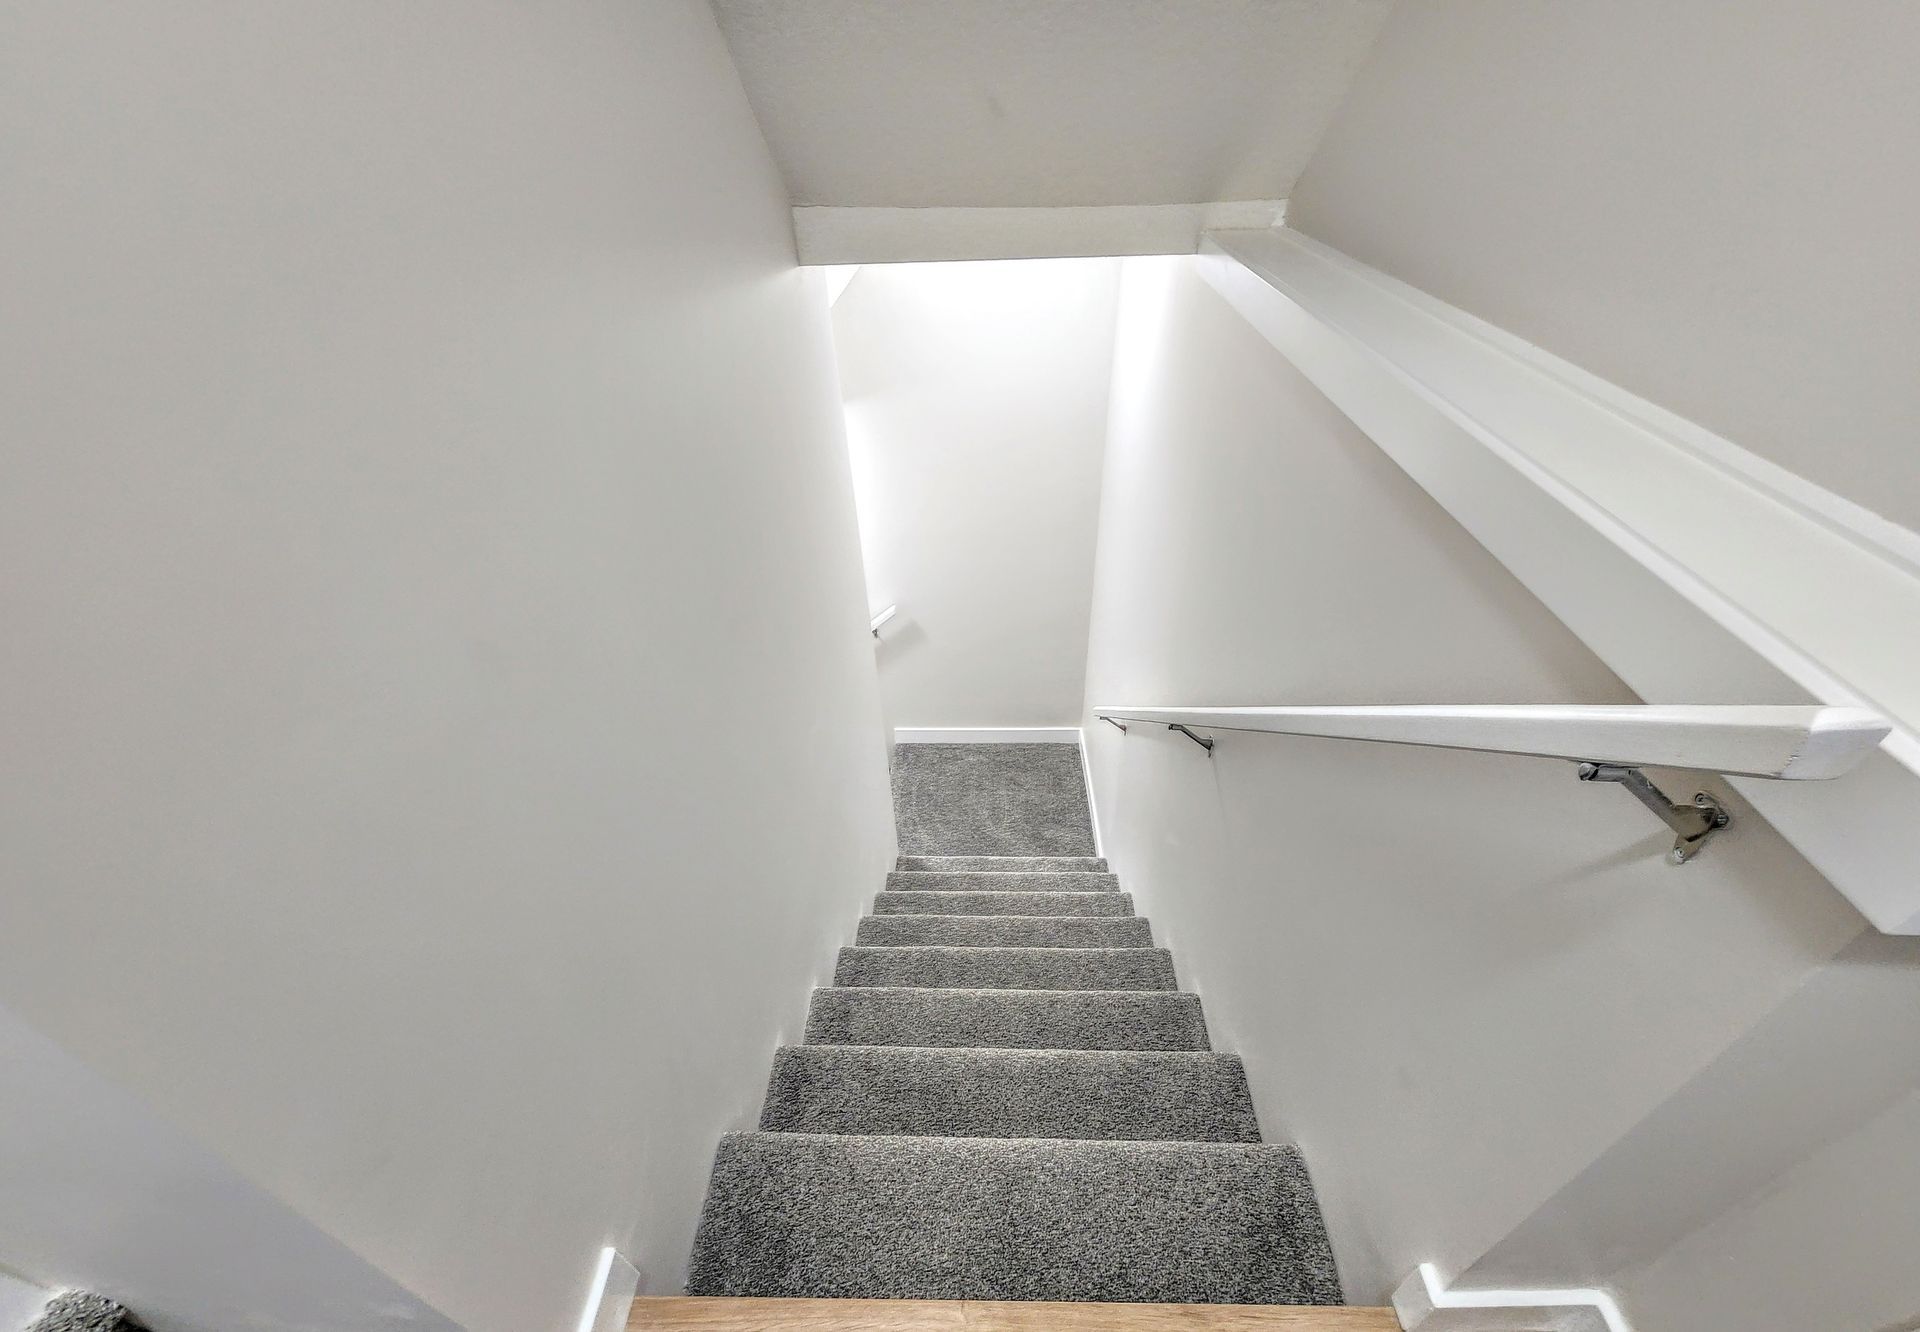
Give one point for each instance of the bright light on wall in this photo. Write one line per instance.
(860, 457)
(838, 276)
(1146, 284)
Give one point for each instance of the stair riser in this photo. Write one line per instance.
(1006, 931)
(1085, 1094)
(1007, 1019)
(1003, 904)
(923, 881)
(1029, 864)
(1008, 968)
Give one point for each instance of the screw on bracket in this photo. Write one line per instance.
(1692, 824)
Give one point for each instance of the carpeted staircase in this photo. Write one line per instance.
(1005, 1095)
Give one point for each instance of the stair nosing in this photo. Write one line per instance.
(947, 915)
(1289, 1147)
(991, 989)
(1018, 1050)
(1021, 948)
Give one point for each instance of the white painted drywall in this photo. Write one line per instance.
(1766, 1194)
(1457, 978)
(103, 1195)
(976, 404)
(442, 740)
(1695, 569)
(1034, 103)
(1827, 1244)
(20, 1301)
(1706, 204)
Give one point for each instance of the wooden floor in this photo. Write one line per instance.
(675, 1314)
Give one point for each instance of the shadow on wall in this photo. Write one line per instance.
(900, 639)
(102, 1194)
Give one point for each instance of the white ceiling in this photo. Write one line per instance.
(1044, 103)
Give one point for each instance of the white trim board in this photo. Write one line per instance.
(1841, 618)
(610, 1294)
(1093, 805)
(986, 735)
(1695, 578)
(1423, 1304)
(824, 235)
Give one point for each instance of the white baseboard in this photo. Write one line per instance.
(1093, 808)
(1423, 1304)
(986, 735)
(610, 1298)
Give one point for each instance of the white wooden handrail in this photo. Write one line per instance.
(880, 618)
(1689, 565)
(1788, 743)
(1610, 743)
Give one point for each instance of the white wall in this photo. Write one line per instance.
(976, 400)
(103, 1195)
(424, 482)
(1707, 204)
(1456, 978)
(1771, 1193)
(1827, 1244)
(20, 1301)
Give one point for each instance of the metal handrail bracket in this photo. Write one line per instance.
(1692, 824)
(1205, 742)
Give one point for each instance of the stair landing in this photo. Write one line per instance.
(688, 1313)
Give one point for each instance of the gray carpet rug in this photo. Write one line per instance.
(83, 1311)
(997, 881)
(991, 800)
(1007, 968)
(1004, 1095)
(1007, 1019)
(806, 1215)
(1002, 904)
(1131, 1095)
(1009, 864)
(1006, 931)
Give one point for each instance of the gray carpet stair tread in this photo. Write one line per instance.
(1007, 931)
(1003, 904)
(1089, 1094)
(978, 881)
(804, 1215)
(1054, 864)
(1008, 968)
(1004, 1096)
(991, 800)
(1008, 1019)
